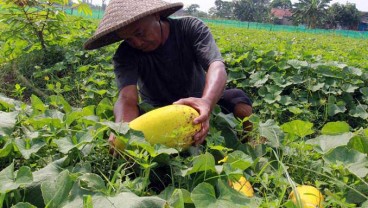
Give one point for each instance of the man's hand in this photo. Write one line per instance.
(203, 106)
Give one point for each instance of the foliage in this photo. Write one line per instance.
(281, 4)
(347, 16)
(251, 10)
(309, 127)
(310, 12)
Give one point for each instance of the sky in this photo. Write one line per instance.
(205, 5)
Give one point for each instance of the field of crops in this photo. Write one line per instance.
(310, 126)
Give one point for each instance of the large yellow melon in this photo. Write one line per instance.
(171, 125)
(243, 186)
(310, 196)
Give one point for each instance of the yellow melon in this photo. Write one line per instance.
(170, 125)
(243, 186)
(310, 197)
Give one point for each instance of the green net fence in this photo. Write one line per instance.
(97, 14)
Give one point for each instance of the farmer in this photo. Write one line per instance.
(164, 61)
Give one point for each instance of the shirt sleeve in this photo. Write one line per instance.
(203, 43)
(126, 71)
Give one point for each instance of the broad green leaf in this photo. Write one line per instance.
(204, 162)
(60, 102)
(295, 110)
(7, 182)
(7, 122)
(55, 192)
(23, 205)
(29, 146)
(349, 88)
(297, 64)
(51, 118)
(333, 109)
(24, 175)
(258, 79)
(298, 127)
(364, 91)
(359, 143)
(237, 162)
(204, 196)
(325, 143)
(123, 199)
(272, 133)
(10, 180)
(7, 149)
(353, 160)
(37, 104)
(51, 171)
(92, 182)
(360, 111)
(78, 140)
(104, 108)
(333, 128)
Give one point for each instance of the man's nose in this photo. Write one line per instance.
(136, 42)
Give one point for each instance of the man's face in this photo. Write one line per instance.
(144, 35)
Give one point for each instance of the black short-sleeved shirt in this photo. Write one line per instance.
(173, 71)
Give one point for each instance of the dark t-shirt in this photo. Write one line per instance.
(173, 71)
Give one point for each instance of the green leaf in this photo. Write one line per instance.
(359, 143)
(27, 147)
(37, 104)
(204, 196)
(92, 182)
(325, 143)
(204, 162)
(333, 128)
(123, 199)
(7, 149)
(23, 205)
(297, 64)
(359, 111)
(258, 79)
(7, 122)
(298, 128)
(79, 140)
(237, 162)
(353, 160)
(333, 109)
(60, 102)
(55, 192)
(24, 175)
(272, 133)
(8, 180)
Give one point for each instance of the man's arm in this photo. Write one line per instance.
(216, 78)
(126, 107)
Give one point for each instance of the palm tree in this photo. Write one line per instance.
(310, 12)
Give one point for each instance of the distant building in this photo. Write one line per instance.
(281, 16)
(363, 24)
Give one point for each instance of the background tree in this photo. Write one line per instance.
(310, 12)
(281, 4)
(346, 16)
(192, 9)
(223, 9)
(251, 10)
(350, 16)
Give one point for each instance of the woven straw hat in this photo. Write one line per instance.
(121, 13)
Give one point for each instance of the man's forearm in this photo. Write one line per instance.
(125, 112)
(215, 82)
